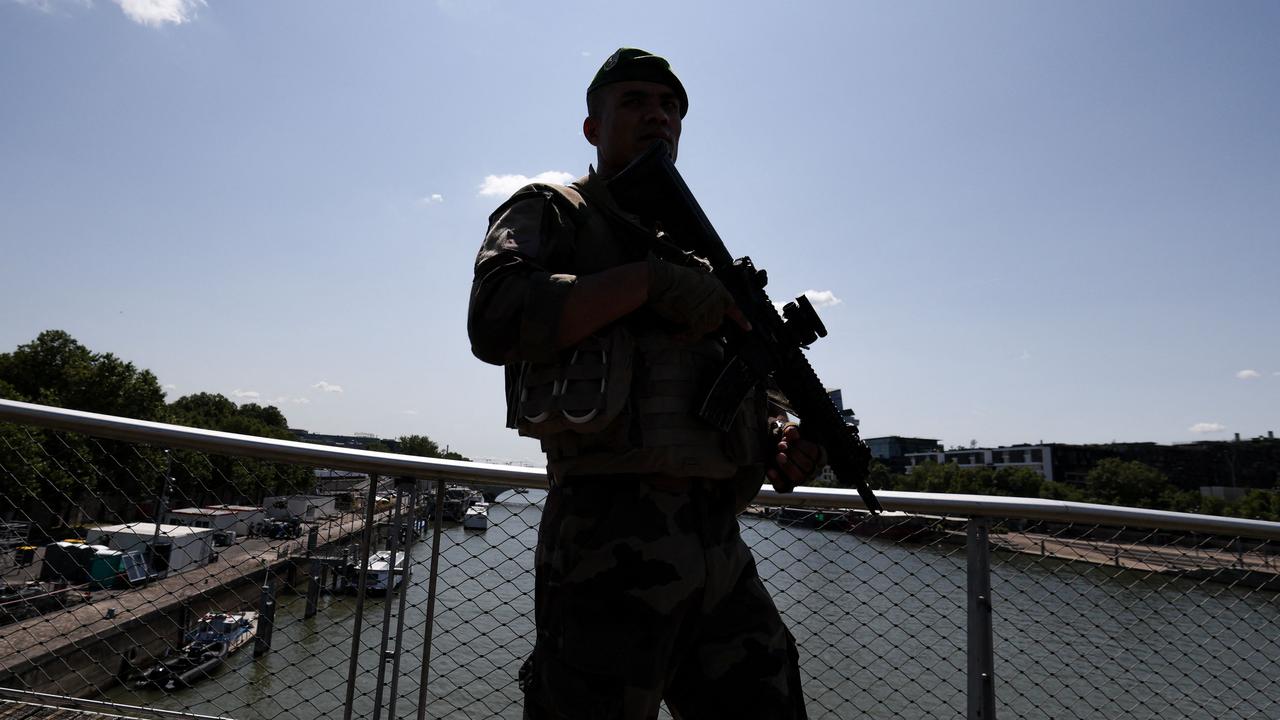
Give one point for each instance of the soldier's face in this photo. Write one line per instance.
(633, 116)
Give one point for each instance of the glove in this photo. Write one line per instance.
(696, 300)
(796, 461)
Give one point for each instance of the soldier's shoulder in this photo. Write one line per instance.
(535, 197)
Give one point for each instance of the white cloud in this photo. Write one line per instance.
(507, 184)
(246, 394)
(158, 12)
(822, 298)
(409, 412)
(1025, 355)
(1248, 375)
(432, 199)
(818, 298)
(294, 400)
(1207, 428)
(170, 386)
(327, 387)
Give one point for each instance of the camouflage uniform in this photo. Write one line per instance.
(645, 591)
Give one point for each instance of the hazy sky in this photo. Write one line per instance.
(1041, 221)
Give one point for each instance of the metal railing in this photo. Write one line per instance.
(946, 606)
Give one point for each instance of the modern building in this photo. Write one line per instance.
(308, 507)
(893, 450)
(212, 518)
(173, 548)
(248, 519)
(359, 441)
(1039, 458)
(1228, 464)
(837, 399)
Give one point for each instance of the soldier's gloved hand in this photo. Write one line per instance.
(797, 461)
(696, 300)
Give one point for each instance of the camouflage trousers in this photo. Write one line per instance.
(646, 592)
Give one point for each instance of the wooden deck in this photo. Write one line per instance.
(14, 710)
(1142, 557)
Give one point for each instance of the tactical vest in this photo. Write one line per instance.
(625, 400)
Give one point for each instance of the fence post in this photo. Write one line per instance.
(266, 618)
(982, 695)
(313, 586)
(425, 675)
(366, 540)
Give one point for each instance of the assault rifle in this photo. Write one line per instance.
(652, 188)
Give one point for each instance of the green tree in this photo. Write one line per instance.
(1054, 490)
(1017, 482)
(423, 446)
(209, 478)
(1129, 483)
(879, 476)
(1171, 498)
(1210, 505)
(1257, 504)
(48, 473)
(55, 369)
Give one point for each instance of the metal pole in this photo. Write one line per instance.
(266, 618)
(159, 513)
(313, 586)
(438, 520)
(412, 483)
(366, 533)
(383, 656)
(982, 696)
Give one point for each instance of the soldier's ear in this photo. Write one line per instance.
(591, 130)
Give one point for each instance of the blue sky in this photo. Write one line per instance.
(1041, 221)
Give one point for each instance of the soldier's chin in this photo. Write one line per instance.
(666, 145)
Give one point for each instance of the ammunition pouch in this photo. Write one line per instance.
(581, 393)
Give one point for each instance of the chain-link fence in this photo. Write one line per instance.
(155, 570)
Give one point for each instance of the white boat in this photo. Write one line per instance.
(380, 572)
(477, 517)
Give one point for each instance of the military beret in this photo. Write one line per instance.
(634, 64)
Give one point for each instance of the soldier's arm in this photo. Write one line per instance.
(598, 299)
(519, 310)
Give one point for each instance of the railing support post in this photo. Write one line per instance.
(366, 541)
(982, 695)
(314, 567)
(436, 521)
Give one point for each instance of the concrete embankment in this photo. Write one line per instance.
(79, 650)
(1252, 569)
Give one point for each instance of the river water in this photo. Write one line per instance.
(881, 628)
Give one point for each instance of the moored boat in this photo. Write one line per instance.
(381, 574)
(477, 517)
(902, 527)
(216, 636)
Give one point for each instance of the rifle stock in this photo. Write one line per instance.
(773, 349)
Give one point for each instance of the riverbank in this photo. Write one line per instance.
(81, 649)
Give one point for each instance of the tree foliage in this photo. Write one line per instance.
(423, 446)
(202, 479)
(1109, 482)
(1130, 483)
(47, 473)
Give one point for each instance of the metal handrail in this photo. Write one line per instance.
(383, 463)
